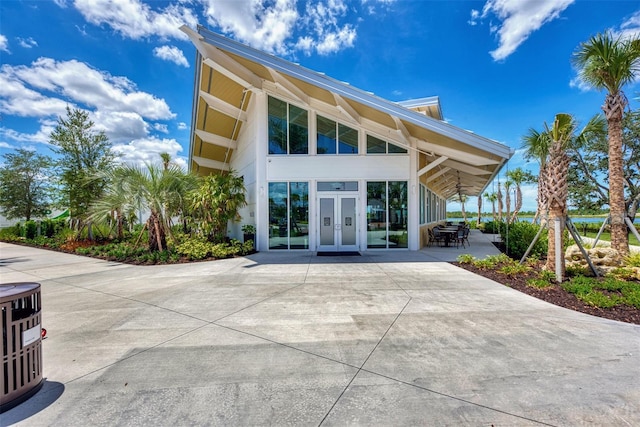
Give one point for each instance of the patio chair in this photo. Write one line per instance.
(467, 230)
(460, 237)
(438, 236)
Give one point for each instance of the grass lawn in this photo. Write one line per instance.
(607, 236)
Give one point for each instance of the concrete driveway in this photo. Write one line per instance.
(384, 339)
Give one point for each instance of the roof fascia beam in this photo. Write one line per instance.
(346, 108)
(223, 107)
(223, 64)
(463, 167)
(432, 165)
(402, 130)
(220, 141)
(211, 164)
(452, 153)
(289, 87)
(438, 174)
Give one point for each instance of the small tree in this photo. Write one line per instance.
(25, 186)
(83, 153)
(216, 201)
(151, 188)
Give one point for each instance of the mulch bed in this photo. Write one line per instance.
(556, 295)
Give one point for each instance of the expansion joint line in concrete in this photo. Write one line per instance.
(392, 280)
(365, 361)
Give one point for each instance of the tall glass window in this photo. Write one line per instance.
(288, 128)
(299, 215)
(398, 212)
(423, 217)
(387, 214)
(379, 146)
(288, 215)
(377, 214)
(335, 138)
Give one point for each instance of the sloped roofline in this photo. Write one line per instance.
(343, 89)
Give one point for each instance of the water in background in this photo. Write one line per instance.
(590, 220)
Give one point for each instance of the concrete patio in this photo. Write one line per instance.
(387, 338)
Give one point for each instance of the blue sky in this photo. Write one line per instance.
(498, 66)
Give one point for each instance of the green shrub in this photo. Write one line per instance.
(519, 235)
(492, 227)
(195, 249)
(598, 299)
(633, 260)
(10, 234)
(30, 229)
(466, 259)
(631, 295)
(539, 283)
(514, 269)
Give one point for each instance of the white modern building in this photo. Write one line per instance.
(327, 167)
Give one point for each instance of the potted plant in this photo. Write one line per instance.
(249, 231)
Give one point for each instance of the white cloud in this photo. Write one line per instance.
(120, 126)
(27, 43)
(630, 27)
(4, 44)
(171, 53)
(264, 25)
(135, 20)
(182, 126)
(40, 137)
(6, 145)
(147, 150)
(518, 19)
(329, 35)
(72, 82)
(160, 127)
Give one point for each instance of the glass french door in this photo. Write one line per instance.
(337, 228)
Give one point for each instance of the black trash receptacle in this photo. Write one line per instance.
(21, 372)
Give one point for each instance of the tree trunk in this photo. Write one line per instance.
(613, 109)
(557, 189)
(507, 203)
(516, 210)
(479, 211)
(499, 194)
(157, 239)
(464, 213)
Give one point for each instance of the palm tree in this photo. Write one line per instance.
(610, 63)
(507, 198)
(216, 201)
(166, 160)
(518, 176)
(536, 146)
(492, 197)
(560, 134)
(152, 188)
(479, 210)
(499, 199)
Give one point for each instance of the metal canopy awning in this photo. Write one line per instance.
(453, 160)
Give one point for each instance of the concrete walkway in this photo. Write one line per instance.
(385, 339)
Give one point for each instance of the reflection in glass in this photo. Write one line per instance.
(277, 126)
(326, 136)
(278, 215)
(376, 215)
(376, 145)
(393, 149)
(298, 131)
(299, 214)
(348, 140)
(398, 235)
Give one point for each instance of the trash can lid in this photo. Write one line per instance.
(10, 290)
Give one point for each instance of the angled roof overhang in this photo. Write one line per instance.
(454, 160)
